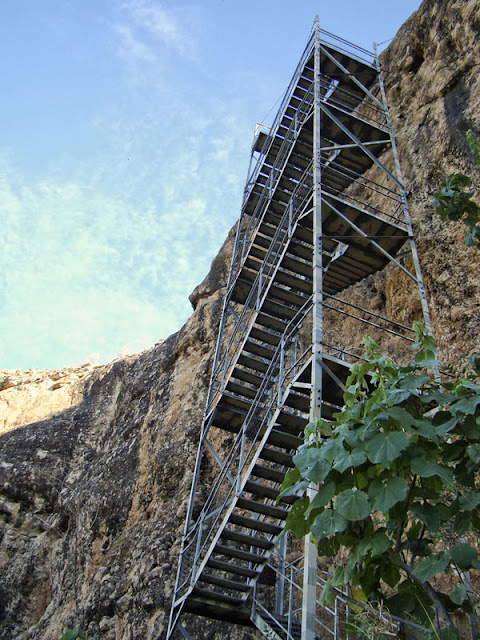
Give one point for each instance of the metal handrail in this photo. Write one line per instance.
(200, 537)
(262, 282)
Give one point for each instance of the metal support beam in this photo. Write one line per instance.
(309, 599)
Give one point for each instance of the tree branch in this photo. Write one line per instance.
(430, 591)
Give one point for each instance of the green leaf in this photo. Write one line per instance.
(463, 555)
(311, 464)
(442, 428)
(296, 522)
(402, 416)
(470, 500)
(353, 505)
(323, 497)
(473, 452)
(466, 405)
(390, 573)
(426, 569)
(332, 449)
(386, 447)
(292, 483)
(323, 427)
(462, 522)
(428, 515)
(427, 469)
(342, 575)
(380, 543)
(453, 451)
(450, 633)
(458, 593)
(310, 429)
(365, 545)
(327, 596)
(327, 524)
(347, 459)
(383, 495)
(474, 144)
(73, 634)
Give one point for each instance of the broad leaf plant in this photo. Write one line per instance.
(396, 472)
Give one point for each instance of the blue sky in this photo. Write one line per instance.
(126, 132)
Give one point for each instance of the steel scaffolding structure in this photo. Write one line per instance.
(324, 210)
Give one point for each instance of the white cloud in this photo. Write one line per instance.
(130, 48)
(148, 28)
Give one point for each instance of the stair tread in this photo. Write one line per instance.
(280, 457)
(230, 567)
(259, 489)
(215, 595)
(226, 550)
(261, 507)
(254, 524)
(253, 541)
(267, 472)
(234, 585)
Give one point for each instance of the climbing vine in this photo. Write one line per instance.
(453, 200)
(395, 472)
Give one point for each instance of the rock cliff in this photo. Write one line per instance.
(96, 462)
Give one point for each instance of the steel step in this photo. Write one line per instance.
(233, 552)
(292, 421)
(251, 541)
(284, 440)
(215, 595)
(254, 524)
(253, 363)
(225, 583)
(246, 376)
(233, 611)
(230, 567)
(259, 471)
(261, 507)
(265, 491)
(271, 322)
(280, 457)
(265, 336)
(258, 349)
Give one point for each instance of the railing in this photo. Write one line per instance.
(273, 174)
(286, 99)
(259, 289)
(334, 621)
(200, 540)
(350, 49)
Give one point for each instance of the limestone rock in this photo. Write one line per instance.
(96, 462)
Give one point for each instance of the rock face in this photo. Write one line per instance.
(96, 462)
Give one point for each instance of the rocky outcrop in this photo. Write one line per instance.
(96, 462)
(433, 88)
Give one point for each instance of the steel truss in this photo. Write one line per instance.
(324, 210)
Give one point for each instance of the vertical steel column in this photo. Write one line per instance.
(406, 213)
(310, 554)
(280, 595)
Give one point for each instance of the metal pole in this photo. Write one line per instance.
(310, 556)
(408, 221)
(282, 552)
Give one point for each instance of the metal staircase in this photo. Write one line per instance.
(324, 208)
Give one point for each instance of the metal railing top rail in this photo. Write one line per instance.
(290, 90)
(198, 535)
(262, 282)
(247, 239)
(379, 122)
(345, 46)
(355, 178)
(281, 158)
